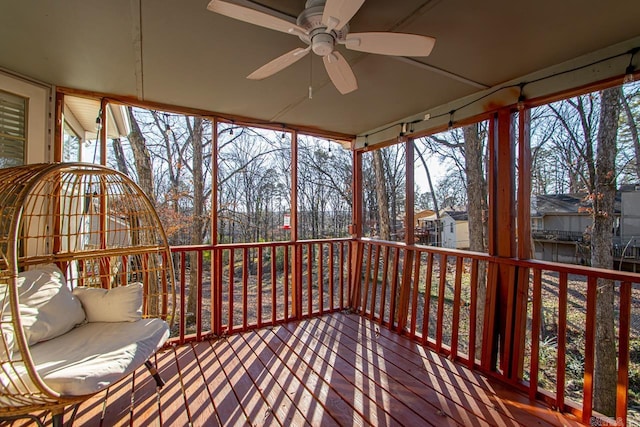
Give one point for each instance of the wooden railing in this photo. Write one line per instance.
(442, 299)
(225, 289)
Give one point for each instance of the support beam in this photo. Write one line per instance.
(502, 232)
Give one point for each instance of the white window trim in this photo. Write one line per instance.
(38, 142)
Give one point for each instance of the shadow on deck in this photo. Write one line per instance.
(339, 369)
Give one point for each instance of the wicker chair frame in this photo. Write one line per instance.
(100, 229)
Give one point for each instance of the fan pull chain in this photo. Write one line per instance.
(310, 76)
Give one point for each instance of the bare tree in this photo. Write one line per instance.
(603, 197)
(141, 156)
(632, 127)
(384, 222)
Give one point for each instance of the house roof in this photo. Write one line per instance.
(179, 53)
(458, 215)
(572, 203)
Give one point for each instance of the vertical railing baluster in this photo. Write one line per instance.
(394, 287)
(183, 281)
(231, 289)
(245, 285)
(473, 313)
(427, 299)
(589, 349)
(199, 295)
(374, 283)
(562, 341)
(441, 289)
(367, 275)
(320, 277)
(414, 293)
(536, 323)
(309, 279)
(622, 394)
(457, 290)
(331, 278)
(259, 287)
(383, 288)
(274, 282)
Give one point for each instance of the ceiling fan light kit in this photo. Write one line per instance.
(321, 26)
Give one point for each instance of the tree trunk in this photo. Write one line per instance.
(197, 225)
(633, 130)
(145, 181)
(477, 203)
(433, 198)
(383, 199)
(141, 157)
(604, 193)
(118, 153)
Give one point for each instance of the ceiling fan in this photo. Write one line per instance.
(322, 25)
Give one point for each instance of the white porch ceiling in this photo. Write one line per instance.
(177, 52)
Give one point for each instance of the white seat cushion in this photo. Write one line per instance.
(93, 356)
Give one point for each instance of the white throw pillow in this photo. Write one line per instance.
(120, 304)
(47, 307)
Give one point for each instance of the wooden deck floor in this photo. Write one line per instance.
(338, 369)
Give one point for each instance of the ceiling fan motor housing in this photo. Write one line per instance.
(322, 41)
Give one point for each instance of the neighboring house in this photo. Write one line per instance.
(558, 226)
(427, 228)
(455, 229)
(561, 226)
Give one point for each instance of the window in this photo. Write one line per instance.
(451, 227)
(13, 135)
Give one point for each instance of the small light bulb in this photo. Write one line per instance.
(520, 104)
(310, 92)
(450, 125)
(98, 123)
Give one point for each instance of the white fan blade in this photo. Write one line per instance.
(255, 17)
(337, 13)
(280, 63)
(395, 44)
(340, 72)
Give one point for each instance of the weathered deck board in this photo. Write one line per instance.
(339, 369)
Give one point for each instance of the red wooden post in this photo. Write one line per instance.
(216, 256)
(296, 262)
(505, 314)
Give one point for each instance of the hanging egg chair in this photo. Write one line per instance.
(87, 289)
